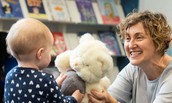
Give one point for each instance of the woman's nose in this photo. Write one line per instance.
(132, 44)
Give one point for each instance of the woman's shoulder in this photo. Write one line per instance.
(167, 73)
(130, 68)
(130, 71)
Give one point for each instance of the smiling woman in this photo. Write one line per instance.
(136, 43)
(146, 38)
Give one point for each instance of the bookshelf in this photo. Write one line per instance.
(68, 27)
(60, 26)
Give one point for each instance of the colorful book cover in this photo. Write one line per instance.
(35, 9)
(108, 11)
(10, 9)
(59, 45)
(59, 10)
(86, 11)
(109, 38)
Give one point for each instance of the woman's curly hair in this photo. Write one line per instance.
(155, 25)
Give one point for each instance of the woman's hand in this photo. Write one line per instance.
(101, 97)
(60, 79)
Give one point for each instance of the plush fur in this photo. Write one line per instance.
(62, 61)
(93, 63)
(73, 81)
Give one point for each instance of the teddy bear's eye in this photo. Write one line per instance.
(86, 65)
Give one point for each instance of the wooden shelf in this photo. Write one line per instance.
(6, 23)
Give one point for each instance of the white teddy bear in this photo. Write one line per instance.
(91, 61)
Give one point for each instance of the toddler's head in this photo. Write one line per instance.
(30, 41)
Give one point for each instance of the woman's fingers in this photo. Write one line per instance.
(94, 100)
(98, 95)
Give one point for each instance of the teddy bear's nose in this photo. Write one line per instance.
(76, 64)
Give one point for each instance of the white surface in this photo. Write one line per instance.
(163, 6)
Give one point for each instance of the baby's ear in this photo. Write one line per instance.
(39, 53)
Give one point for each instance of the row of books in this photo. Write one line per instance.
(78, 11)
(68, 41)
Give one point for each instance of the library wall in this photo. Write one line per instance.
(160, 6)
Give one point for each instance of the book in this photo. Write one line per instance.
(120, 11)
(120, 40)
(59, 44)
(58, 9)
(73, 11)
(10, 9)
(109, 38)
(71, 40)
(97, 13)
(86, 11)
(121, 45)
(109, 12)
(35, 9)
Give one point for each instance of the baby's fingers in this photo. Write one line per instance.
(61, 78)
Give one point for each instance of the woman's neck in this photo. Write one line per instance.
(155, 68)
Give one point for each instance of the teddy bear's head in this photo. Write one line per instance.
(73, 81)
(62, 61)
(91, 59)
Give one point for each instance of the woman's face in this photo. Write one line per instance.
(138, 45)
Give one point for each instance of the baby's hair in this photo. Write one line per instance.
(27, 35)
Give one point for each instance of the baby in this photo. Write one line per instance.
(30, 42)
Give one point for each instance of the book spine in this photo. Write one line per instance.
(86, 11)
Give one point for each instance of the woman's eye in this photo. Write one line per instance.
(139, 38)
(127, 39)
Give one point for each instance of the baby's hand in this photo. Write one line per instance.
(78, 96)
(60, 79)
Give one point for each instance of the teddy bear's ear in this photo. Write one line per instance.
(106, 60)
(62, 61)
(107, 66)
(86, 38)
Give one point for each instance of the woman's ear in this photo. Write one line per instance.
(39, 53)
